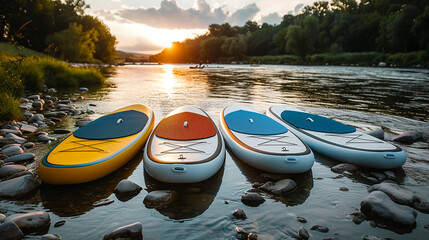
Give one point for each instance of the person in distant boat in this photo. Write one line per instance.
(201, 64)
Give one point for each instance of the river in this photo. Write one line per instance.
(368, 98)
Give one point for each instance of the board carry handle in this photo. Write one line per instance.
(178, 169)
(290, 160)
(389, 156)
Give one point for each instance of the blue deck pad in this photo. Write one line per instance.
(115, 125)
(316, 123)
(253, 123)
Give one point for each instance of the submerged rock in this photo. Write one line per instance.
(239, 213)
(252, 236)
(378, 205)
(303, 233)
(252, 199)
(342, 167)
(408, 137)
(160, 198)
(319, 228)
(397, 193)
(127, 188)
(133, 231)
(102, 202)
(358, 217)
(280, 187)
(50, 237)
(10, 231)
(30, 222)
(18, 187)
(301, 219)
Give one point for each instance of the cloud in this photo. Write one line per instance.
(142, 44)
(169, 15)
(298, 8)
(241, 16)
(272, 18)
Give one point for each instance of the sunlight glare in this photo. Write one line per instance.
(168, 80)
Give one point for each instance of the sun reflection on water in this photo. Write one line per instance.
(168, 80)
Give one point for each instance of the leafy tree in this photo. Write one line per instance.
(210, 48)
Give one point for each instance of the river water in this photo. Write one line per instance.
(368, 98)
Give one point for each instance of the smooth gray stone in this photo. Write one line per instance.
(397, 193)
(30, 222)
(127, 187)
(23, 100)
(239, 213)
(280, 187)
(6, 141)
(45, 139)
(319, 228)
(83, 89)
(16, 138)
(378, 133)
(303, 233)
(12, 151)
(50, 237)
(33, 97)
(19, 174)
(378, 204)
(160, 198)
(37, 105)
(14, 131)
(51, 114)
(10, 231)
(9, 170)
(10, 145)
(18, 187)
(20, 158)
(342, 167)
(408, 137)
(28, 145)
(36, 117)
(83, 122)
(252, 199)
(133, 231)
(27, 128)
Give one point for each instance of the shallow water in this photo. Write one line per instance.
(367, 98)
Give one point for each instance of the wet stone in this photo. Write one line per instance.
(239, 213)
(241, 231)
(62, 131)
(59, 223)
(160, 198)
(426, 226)
(34, 97)
(2, 218)
(252, 199)
(408, 137)
(421, 206)
(19, 174)
(301, 219)
(36, 117)
(280, 187)
(9, 170)
(319, 228)
(12, 151)
(273, 176)
(30, 222)
(18, 187)
(81, 123)
(45, 139)
(133, 231)
(15, 138)
(397, 193)
(378, 133)
(378, 205)
(379, 176)
(344, 189)
(303, 233)
(252, 236)
(50, 237)
(358, 217)
(342, 167)
(14, 131)
(390, 174)
(10, 231)
(127, 187)
(25, 157)
(28, 145)
(103, 202)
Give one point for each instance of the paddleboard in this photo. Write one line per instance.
(185, 147)
(339, 141)
(98, 148)
(262, 142)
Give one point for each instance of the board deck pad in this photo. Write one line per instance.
(197, 127)
(115, 125)
(314, 122)
(247, 122)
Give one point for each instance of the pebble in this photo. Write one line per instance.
(10, 231)
(127, 187)
(239, 213)
(160, 198)
(83, 122)
(12, 151)
(319, 228)
(9, 170)
(421, 206)
(301, 219)
(133, 231)
(36, 117)
(14, 131)
(241, 231)
(102, 202)
(28, 145)
(25, 157)
(25, 128)
(59, 223)
(378, 205)
(34, 97)
(281, 187)
(30, 222)
(50, 237)
(18, 187)
(252, 199)
(342, 167)
(61, 131)
(358, 217)
(303, 233)
(45, 139)
(344, 189)
(397, 193)
(83, 89)
(408, 137)
(16, 138)
(252, 236)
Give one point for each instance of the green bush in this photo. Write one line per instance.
(9, 109)
(32, 76)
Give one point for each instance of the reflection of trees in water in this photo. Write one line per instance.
(74, 200)
(194, 198)
(304, 182)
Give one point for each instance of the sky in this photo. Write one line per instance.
(148, 26)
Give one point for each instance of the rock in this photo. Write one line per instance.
(273, 176)
(38, 134)
(45, 139)
(37, 105)
(19, 174)
(378, 205)
(27, 128)
(301, 219)
(93, 105)
(83, 122)
(408, 137)
(61, 131)
(319, 228)
(252, 236)
(133, 231)
(241, 231)
(51, 114)
(342, 167)
(12, 151)
(25, 157)
(28, 145)
(378, 133)
(2, 218)
(83, 89)
(10, 231)
(14, 131)
(5, 141)
(59, 223)
(160, 198)
(382, 64)
(344, 189)
(397, 193)
(239, 213)
(30, 222)
(15, 138)
(34, 97)
(358, 217)
(18, 187)
(303, 233)
(368, 237)
(390, 174)
(50, 237)
(252, 199)
(379, 176)
(127, 187)
(280, 187)
(10, 145)
(36, 117)
(23, 100)
(421, 206)
(9, 170)
(102, 202)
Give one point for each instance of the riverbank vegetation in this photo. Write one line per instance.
(334, 32)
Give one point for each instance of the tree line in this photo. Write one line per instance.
(58, 28)
(336, 26)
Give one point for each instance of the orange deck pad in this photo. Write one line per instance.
(173, 127)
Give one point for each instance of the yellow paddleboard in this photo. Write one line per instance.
(98, 148)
